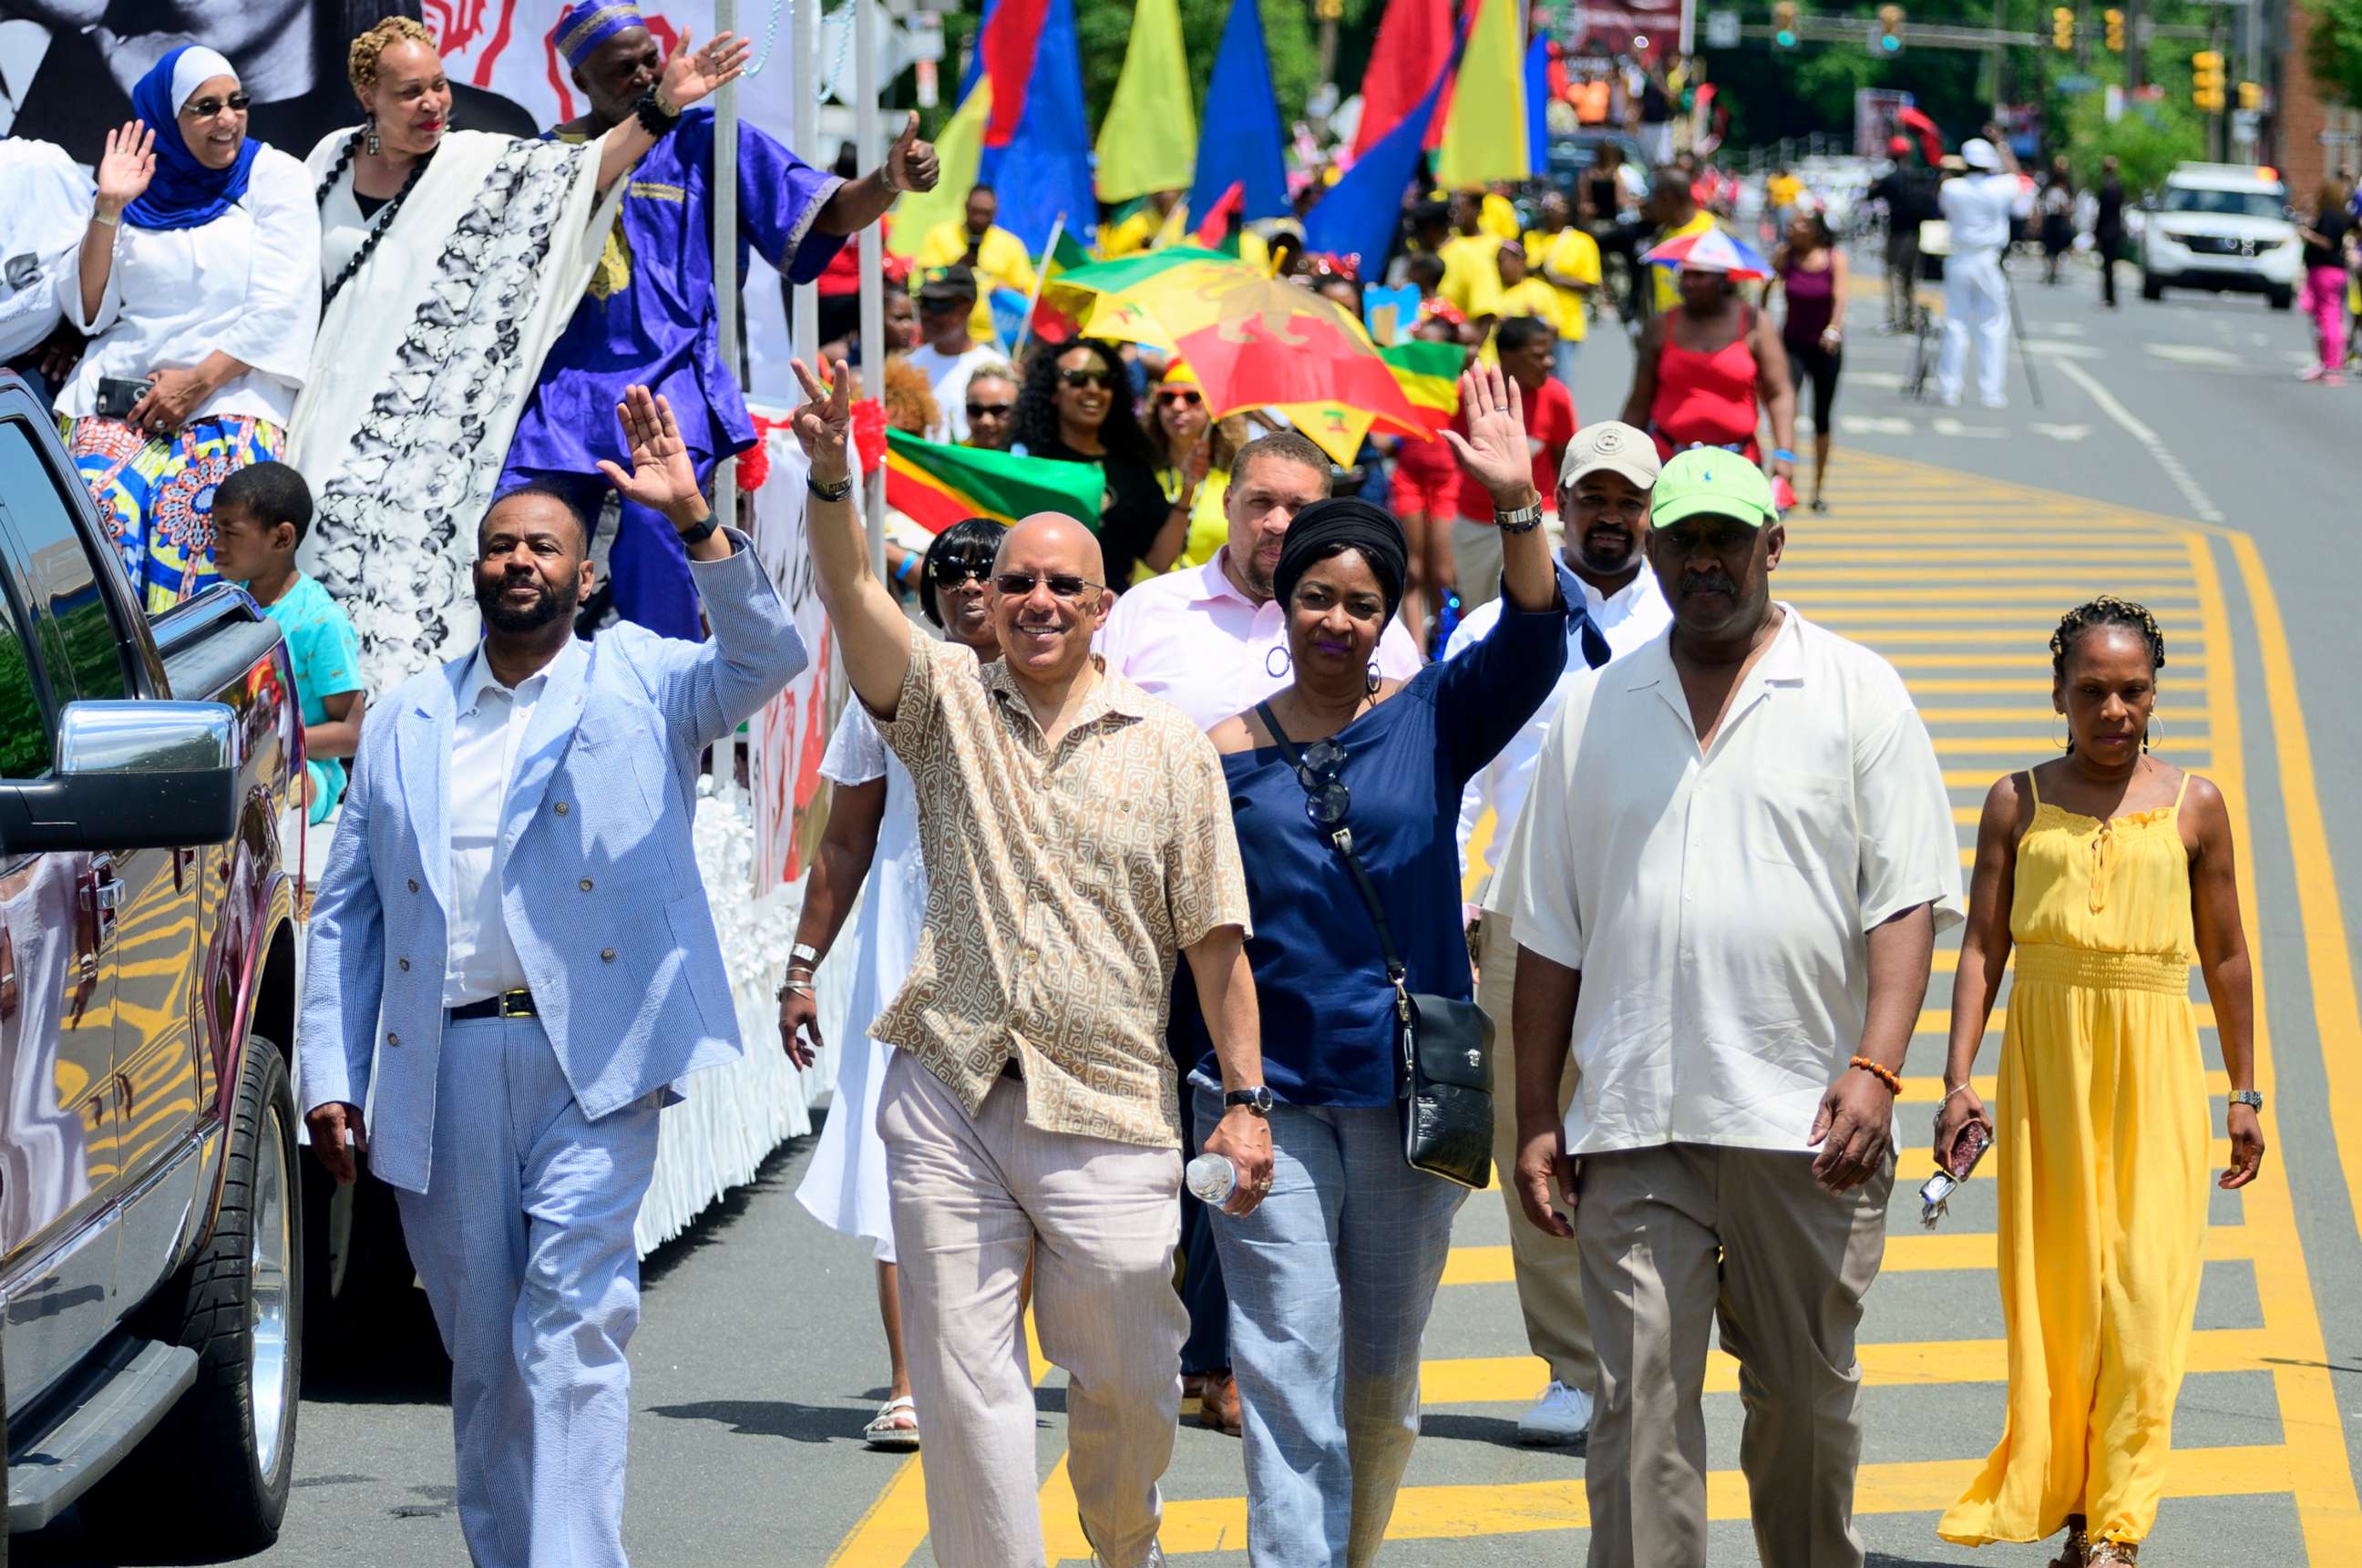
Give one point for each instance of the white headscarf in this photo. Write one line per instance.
(197, 66)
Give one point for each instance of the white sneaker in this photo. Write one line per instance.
(1562, 1415)
(1994, 403)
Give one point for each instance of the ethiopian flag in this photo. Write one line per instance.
(936, 485)
(1428, 374)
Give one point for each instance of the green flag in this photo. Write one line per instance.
(936, 485)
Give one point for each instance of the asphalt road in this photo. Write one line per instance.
(2174, 457)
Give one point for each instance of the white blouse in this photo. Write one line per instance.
(247, 284)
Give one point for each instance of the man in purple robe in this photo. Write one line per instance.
(650, 314)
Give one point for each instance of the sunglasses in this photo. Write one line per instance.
(207, 108)
(990, 409)
(1190, 398)
(1062, 585)
(951, 571)
(1079, 378)
(1325, 795)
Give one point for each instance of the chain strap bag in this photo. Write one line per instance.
(1443, 1044)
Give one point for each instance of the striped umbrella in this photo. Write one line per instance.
(1710, 250)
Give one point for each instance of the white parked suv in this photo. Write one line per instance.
(2222, 226)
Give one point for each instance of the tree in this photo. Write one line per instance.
(2334, 47)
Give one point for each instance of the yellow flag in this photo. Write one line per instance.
(1484, 138)
(959, 151)
(1149, 139)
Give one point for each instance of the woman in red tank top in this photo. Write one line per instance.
(1708, 372)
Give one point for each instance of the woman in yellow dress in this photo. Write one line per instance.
(2110, 872)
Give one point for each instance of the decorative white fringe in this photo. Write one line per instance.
(735, 1116)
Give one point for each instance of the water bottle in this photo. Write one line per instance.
(1210, 1178)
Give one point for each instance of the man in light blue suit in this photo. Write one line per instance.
(511, 933)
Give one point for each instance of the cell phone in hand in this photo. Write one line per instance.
(117, 397)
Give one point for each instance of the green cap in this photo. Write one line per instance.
(1707, 480)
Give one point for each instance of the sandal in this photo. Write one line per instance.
(2071, 1552)
(887, 1433)
(2113, 1554)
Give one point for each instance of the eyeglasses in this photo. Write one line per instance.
(207, 108)
(990, 409)
(1180, 395)
(1325, 795)
(1061, 585)
(1079, 378)
(951, 571)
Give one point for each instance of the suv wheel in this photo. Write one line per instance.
(2283, 299)
(2150, 288)
(220, 1462)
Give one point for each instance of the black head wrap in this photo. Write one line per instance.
(1338, 524)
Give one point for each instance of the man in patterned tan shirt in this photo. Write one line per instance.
(1078, 838)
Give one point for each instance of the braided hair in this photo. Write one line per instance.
(378, 224)
(360, 60)
(2107, 610)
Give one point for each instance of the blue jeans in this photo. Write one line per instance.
(1331, 1279)
(1563, 355)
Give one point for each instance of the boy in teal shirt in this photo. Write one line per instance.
(260, 514)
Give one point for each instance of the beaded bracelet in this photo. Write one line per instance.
(1892, 1080)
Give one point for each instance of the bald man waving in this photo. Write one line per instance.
(1077, 835)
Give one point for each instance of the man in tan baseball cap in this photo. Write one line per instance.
(1604, 486)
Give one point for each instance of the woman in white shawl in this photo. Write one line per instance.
(452, 260)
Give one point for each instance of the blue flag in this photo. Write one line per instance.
(1240, 142)
(1362, 211)
(1538, 100)
(1045, 169)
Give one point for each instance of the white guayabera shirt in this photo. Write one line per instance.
(1718, 905)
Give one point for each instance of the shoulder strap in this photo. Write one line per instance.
(2032, 788)
(1342, 838)
(2184, 789)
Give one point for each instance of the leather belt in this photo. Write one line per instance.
(508, 1004)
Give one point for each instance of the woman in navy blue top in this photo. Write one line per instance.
(1332, 1276)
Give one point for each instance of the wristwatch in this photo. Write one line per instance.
(1524, 520)
(1256, 1100)
(836, 491)
(2250, 1098)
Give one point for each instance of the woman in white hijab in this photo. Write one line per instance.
(199, 280)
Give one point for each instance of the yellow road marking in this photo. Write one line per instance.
(1468, 1512)
(1912, 1251)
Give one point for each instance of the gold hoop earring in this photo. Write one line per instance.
(2151, 731)
(2058, 725)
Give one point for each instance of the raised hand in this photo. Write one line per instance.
(1494, 451)
(689, 77)
(912, 164)
(823, 426)
(126, 167)
(662, 478)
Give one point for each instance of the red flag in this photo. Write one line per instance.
(1931, 140)
(1216, 227)
(1413, 36)
(1011, 38)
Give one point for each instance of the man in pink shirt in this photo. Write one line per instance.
(1212, 641)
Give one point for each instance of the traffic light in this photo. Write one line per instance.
(2062, 28)
(1783, 25)
(2206, 80)
(2115, 21)
(1886, 38)
(2251, 96)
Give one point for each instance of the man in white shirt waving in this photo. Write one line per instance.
(1602, 494)
(1728, 876)
(1983, 207)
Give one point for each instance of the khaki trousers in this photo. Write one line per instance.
(1681, 1237)
(971, 1197)
(1549, 1270)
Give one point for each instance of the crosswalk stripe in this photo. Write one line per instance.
(1922, 1251)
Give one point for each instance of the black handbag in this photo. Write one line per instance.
(1443, 1087)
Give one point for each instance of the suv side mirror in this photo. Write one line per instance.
(137, 775)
